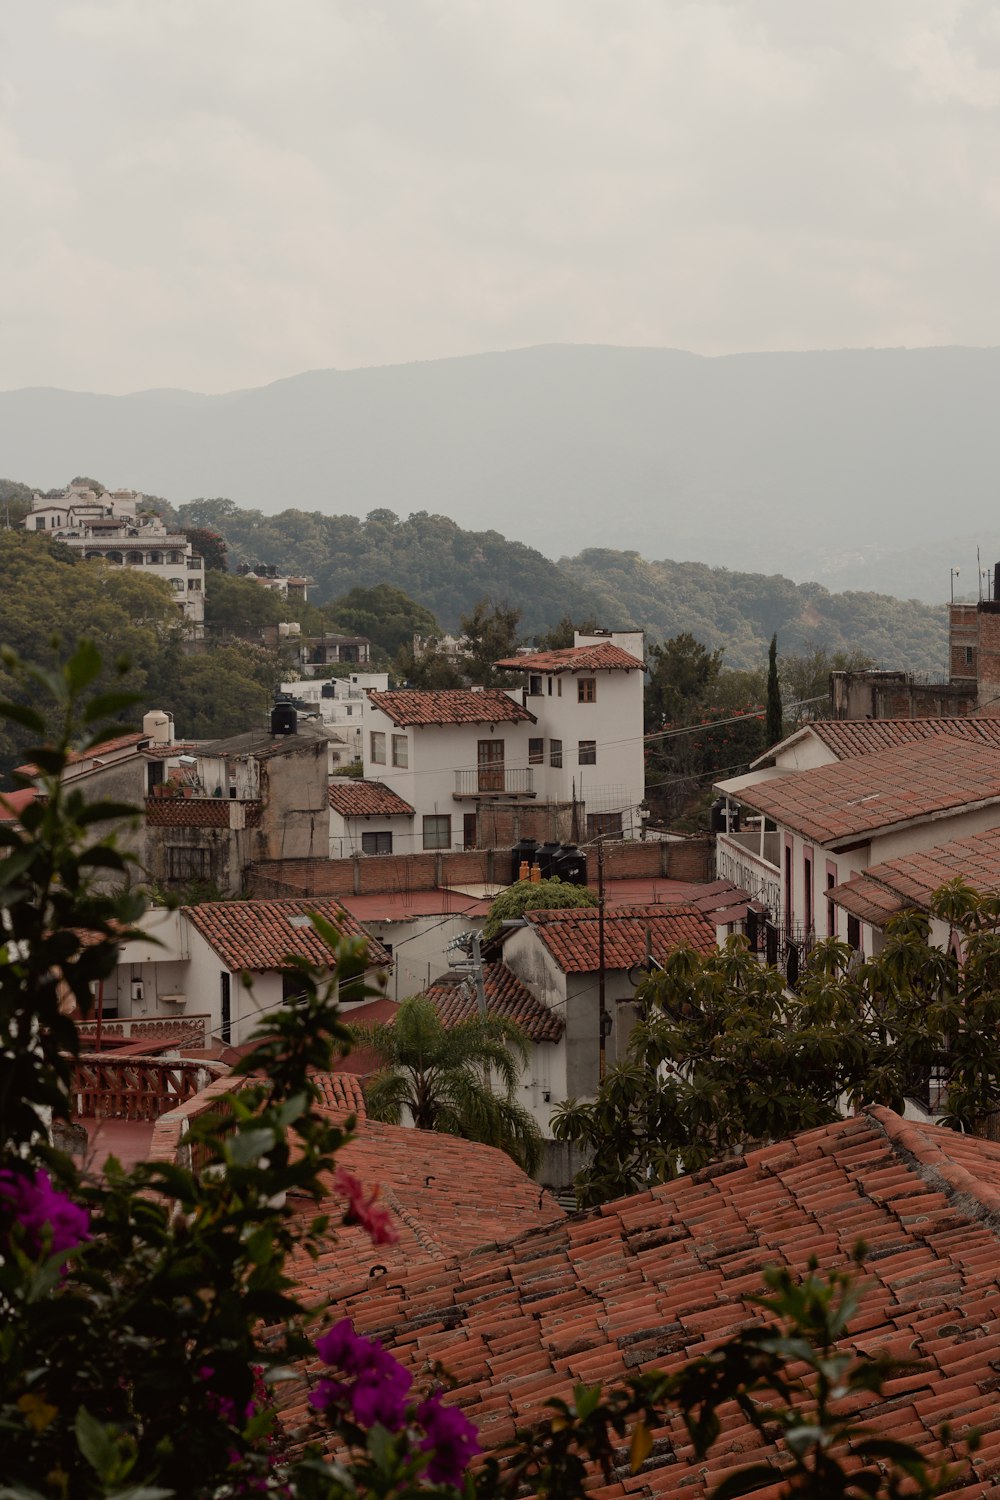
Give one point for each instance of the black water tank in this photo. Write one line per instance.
(719, 815)
(284, 719)
(570, 864)
(546, 858)
(523, 852)
(328, 690)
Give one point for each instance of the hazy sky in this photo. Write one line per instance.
(217, 193)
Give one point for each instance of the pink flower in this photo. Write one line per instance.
(364, 1211)
(43, 1212)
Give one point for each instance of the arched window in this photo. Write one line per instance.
(155, 558)
(134, 559)
(112, 557)
(177, 584)
(176, 557)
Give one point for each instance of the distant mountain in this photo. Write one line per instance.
(853, 467)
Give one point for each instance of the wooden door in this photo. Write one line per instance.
(491, 765)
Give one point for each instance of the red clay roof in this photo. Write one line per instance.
(454, 998)
(571, 936)
(259, 935)
(911, 880)
(405, 706)
(604, 657)
(648, 1282)
(852, 798)
(12, 804)
(433, 1187)
(367, 799)
(849, 738)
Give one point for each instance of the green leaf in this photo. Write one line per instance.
(744, 1481)
(95, 1443)
(83, 666)
(105, 706)
(247, 1147)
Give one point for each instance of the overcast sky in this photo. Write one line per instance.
(216, 193)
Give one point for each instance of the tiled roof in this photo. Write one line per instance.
(911, 880)
(852, 798)
(650, 1281)
(259, 935)
(604, 657)
(433, 1185)
(12, 804)
(340, 1093)
(448, 706)
(367, 799)
(454, 999)
(571, 936)
(848, 738)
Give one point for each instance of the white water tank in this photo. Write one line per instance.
(289, 627)
(158, 726)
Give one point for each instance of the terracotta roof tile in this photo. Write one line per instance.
(454, 999)
(452, 706)
(572, 936)
(259, 935)
(848, 738)
(581, 1299)
(604, 657)
(910, 881)
(367, 799)
(851, 798)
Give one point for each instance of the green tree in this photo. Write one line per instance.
(806, 678)
(682, 674)
(491, 631)
(774, 724)
(388, 617)
(524, 895)
(461, 1080)
(727, 1058)
(433, 668)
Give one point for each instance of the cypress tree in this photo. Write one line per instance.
(773, 722)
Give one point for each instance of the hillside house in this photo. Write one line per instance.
(111, 528)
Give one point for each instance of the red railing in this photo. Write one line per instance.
(134, 1088)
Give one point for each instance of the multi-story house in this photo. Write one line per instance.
(568, 743)
(813, 829)
(110, 527)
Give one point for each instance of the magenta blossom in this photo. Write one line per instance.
(451, 1441)
(366, 1211)
(377, 1387)
(42, 1211)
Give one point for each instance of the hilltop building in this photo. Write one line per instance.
(112, 528)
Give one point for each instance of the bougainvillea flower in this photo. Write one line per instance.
(37, 1206)
(365, 1210)
(380, 1384)
(451, 1440)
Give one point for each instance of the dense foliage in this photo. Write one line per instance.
(726, 1059)
(147, 1319)
(528, 895)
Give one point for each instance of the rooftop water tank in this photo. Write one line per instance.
(570, 864)
(158, 726)
(284, 719)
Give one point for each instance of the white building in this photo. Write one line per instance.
(112, 529)
(572, 736)
(338, 700)
(220, 964)
(820, 827)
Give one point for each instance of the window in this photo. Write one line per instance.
(536, 752)
(588, 752)
(586, 689)
(534, 685)
(968, 656)
(608, 824)
(555, 753)
(807, 888)
(378, 747)
(470, 830)
(831, 910)
(39, 523)
(188, 863)
(376, 843)
(400, 750)
(437, 831)
(854, 933)
(194, 584)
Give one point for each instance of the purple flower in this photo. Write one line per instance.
(38, 1207)
(380, 1383)
(451, 1441)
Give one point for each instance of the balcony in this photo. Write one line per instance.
(751, 861)
(494, 781)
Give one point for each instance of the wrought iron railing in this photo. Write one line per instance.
(493, 781)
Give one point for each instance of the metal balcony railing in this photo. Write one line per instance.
(495, 781)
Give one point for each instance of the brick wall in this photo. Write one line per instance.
(989, 652)
(686, 859)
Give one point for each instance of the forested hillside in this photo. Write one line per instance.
(448, 570)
